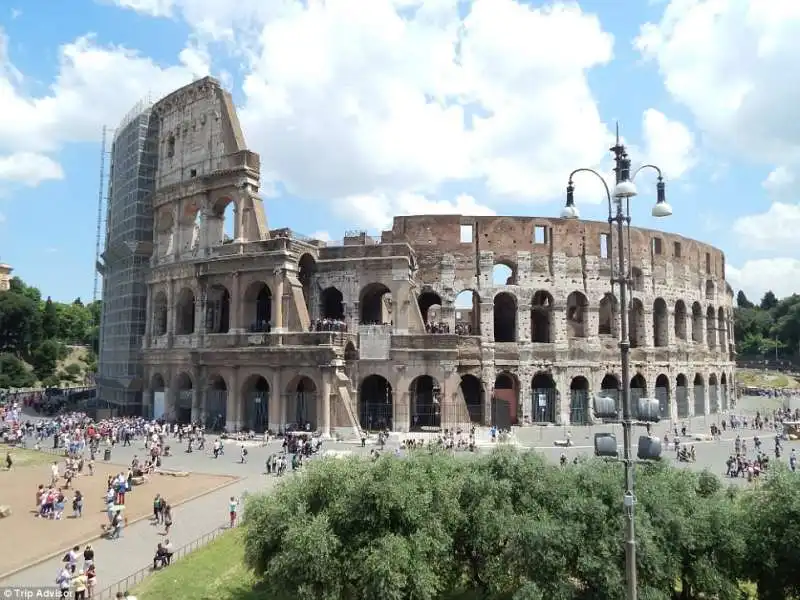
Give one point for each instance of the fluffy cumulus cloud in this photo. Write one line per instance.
(774, 230)
(668, 144)
(757, 276)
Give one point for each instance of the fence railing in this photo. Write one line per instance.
(135, 578)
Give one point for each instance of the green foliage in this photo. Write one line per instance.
(510, 526)
(768, 329)
(38, 331)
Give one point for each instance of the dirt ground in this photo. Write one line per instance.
(45, 537)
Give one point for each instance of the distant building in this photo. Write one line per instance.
(5, 277)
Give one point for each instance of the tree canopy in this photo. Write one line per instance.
(768, 328)
(510, 526)
(35, 332)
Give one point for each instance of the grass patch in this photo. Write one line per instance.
(215, 572)
(25, 458)
(766, 379)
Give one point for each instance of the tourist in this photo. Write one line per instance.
(160, 558)
(233, 507)
(64, 581)
(158, 508)
(91, 581)
(243, 453)
(71, 558)
(167, 519)
(77, 505)
(79, 585)
(88, 556)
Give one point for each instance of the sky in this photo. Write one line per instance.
(365, 109)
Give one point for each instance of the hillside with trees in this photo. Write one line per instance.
(43, 342)
(769, 329)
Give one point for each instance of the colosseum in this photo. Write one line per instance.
(441, 321)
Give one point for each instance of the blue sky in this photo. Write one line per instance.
(361, 112)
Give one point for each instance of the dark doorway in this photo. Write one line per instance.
(504, 400)
(426, 403)
(472, 388)
(257, 405)
(544, 398)
(332, 304)
(375, 404)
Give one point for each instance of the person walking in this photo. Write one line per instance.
(233, 507)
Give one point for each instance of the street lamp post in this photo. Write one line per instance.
(619, 215)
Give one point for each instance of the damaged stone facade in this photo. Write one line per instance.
(526, 321)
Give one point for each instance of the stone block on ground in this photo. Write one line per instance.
(175, 473)
(561, 443)
(701, 437)
(5, 511)
(138, 480)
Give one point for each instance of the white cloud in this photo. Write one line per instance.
(780, 182)
(153, 8)
(323, 236)
(668, 144)
(755, 277)
(774, 230)
(29, 168)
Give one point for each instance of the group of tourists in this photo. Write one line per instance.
(332, 325)
(82, 582)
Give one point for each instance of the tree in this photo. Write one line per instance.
(45, 357)
(50, 320)
(742, 301)
(20, 323)
(13, 373)
(769, 301)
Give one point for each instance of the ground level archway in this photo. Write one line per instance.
(216, 404)
(472, 390)
(301, 404)
(184, 396)
(661, 392)
(504, 401)
(426, 404)
(256, 404)
(544, 398)
(610, 388)
(579, 401)
(375, 404)
(682, 396)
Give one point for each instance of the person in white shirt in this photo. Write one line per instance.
(64, 579)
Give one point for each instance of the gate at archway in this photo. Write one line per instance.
(216, 408)
(544, 399)
(579, 401)
(183, 409)
(501, 413)
(256, 410)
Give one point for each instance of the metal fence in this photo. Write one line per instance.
(137, 577)
(579, 407)
(682, 400)
(699, 400)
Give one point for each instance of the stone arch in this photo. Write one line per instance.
(544, 396)
(723, 392)
(375, 304)
(711, 327)
(682, 395)
(306, 271)
(699, 395)
(709, 289)
(504, 272)
(505, 398)
(301, 409)
(579, 401)
(350, 352)
(697, 322)
(542, 317)
(472, 390)
(184, 397)
(430, 305)
(638, 388)
(611, 387)
(256, 394)
(375, 403)
(426, 407)
(637, 279)
(257, 305)
(637, 333)
(218, 311)
(160, 314)
(505, 317)
(661, 392)
(660, 323)
(608, 315)
(221, 221)
(680, 320)
(468, 313)
(216, 409)
(577, 315)
(713, 394)
(332, 304)
(185, 312)
(722, 329)
(157, 382)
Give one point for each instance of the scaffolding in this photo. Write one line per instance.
(102, 200)
(125, 259)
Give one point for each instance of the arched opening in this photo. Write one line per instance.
(216, 404)
(636, 333)
(332, 304)
(157, 383)
(375, 404)
(218, 311)
(713, 394)
(579, 401)
(306, 268)
(504, 273)
(699, 395)
(468, 313)
(159, 314)
(723, 392)
(430, 305)
(184, 312)
(228, 216)
(709, 289)
(608, 315)
(505, 398)
(638, 390)
(256, 404)
(505, 318)
(697, 323)
(221, 222)
(723, 329)
(472, 389)
(662, 395)
(544, 398)
(542, 317)
(577, 315)
(610, 388)
(182, 411)
(711, 327)
(158, 397)
(426, 407)
(682, 396)
(258, 307)
(301, 410)
(637, 279)
(680, 320)
(660, 324)
(376, 305)
(350, 352)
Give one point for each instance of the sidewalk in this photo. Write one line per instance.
(117, 559)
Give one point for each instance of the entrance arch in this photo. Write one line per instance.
(699, 395)
(542, 317)
(610, 388)
(468, 313)
(375, 404)
(185, 312)
(682, 395)
(306, 269)
(723, 389)
(332, 302)
(218, 310)
(544, 398)
(505, 318)
(216, 404)
(256, 403)
(713, 394)
(579, 401)
(426, 407)
(158, 397)
(638, 390)
(301, 410)
(504, 400)
(472, 389)
(258, 306)
(182, 411)
(376, 304)
(430, 305)
(662, 394)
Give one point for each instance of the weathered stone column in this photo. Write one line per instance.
(236, 305)
(232, 408)
(325, 404)
(277, 301)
